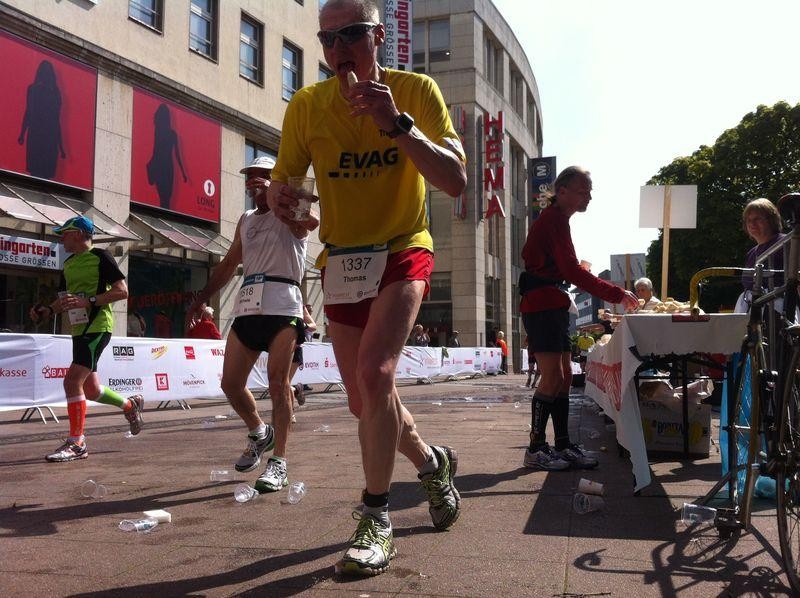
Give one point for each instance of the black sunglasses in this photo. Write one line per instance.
(348, 35)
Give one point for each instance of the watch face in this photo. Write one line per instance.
(405, 122)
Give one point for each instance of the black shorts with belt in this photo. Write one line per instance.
(258, 331)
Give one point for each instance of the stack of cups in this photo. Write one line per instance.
(588, 498)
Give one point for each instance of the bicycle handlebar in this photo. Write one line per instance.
(694, 284)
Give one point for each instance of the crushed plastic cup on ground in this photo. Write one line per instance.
(128, 434)
(244, 493)
(692, 514)
(220, 417)
(516, 404)
(590, 433)
(138, 525)
(91, 489)
(437, 403)
(323, 428)
(590, 487)
(221, 475)
(297, 490)
(586, 503)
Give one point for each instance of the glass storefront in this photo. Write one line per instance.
(160, 290)
(21, 289)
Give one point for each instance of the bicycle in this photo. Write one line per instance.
(772, 432)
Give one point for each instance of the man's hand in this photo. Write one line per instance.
(375, 100)
(281, 198)
(630, 302)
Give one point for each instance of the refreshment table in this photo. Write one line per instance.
(610, 368)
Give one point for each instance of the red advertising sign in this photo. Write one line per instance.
(175, 163)
(47, 110)
(493, 173)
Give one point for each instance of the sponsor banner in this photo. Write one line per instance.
(467, 361)
(32, 253)
(33, 367)
(175, 158)
(47, 114)
(397, 52)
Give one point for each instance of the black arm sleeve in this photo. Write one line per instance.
(109, 271)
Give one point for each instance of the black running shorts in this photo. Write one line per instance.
(257, 332)
(548, 331)
(86, 349)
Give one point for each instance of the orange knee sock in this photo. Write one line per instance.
(76, 410)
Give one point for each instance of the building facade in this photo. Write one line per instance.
(151, 107)
(471, 51)
(141, 113)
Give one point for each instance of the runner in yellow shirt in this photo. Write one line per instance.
(373, 144)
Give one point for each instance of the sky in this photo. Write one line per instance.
(627, 86)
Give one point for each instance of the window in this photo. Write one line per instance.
(324, 73)
(418, 44)
(203, 27)
(252, 151)
(493, 62)
(439, 40)
(147, 12)
(517, 91)
(530, 113)
(250, 50)
(430, 43)
(292, 70)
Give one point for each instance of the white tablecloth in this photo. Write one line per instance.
(610, 368)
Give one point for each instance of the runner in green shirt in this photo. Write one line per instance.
(90, 283)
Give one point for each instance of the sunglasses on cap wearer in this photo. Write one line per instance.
(349, 34)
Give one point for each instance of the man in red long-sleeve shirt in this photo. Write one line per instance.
(550, 264)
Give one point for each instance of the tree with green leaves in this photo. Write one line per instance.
(760, 157)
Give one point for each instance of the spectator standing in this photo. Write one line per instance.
(501, 343)
(205, 326)
(550, 264)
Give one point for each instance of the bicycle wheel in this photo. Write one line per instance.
(788, 474)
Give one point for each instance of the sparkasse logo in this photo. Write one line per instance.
(8, 373)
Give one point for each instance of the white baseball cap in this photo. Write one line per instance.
(262, 163)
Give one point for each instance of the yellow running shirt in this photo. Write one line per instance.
(370, 192)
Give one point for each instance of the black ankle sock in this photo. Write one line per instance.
(376, 501)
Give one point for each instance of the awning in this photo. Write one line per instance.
(52, 210)
(184, 236)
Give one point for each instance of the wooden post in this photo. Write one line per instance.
(665, 244)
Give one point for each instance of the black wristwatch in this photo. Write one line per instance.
(402, 125)
(93, 300)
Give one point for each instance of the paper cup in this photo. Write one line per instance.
(589, 487)
(305, 185)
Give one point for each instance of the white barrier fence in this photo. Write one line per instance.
(33, 366)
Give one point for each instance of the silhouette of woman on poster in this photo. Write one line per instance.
(42, 123)
(160, 168)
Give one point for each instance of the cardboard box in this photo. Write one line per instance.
(662, 424)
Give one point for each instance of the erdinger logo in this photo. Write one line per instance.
(122, 352)
(126, 384)
(157, 352)
(218, 352)
(49, 372)
(189, 352)
(193, 380)
(162, 382)
(4, 373)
